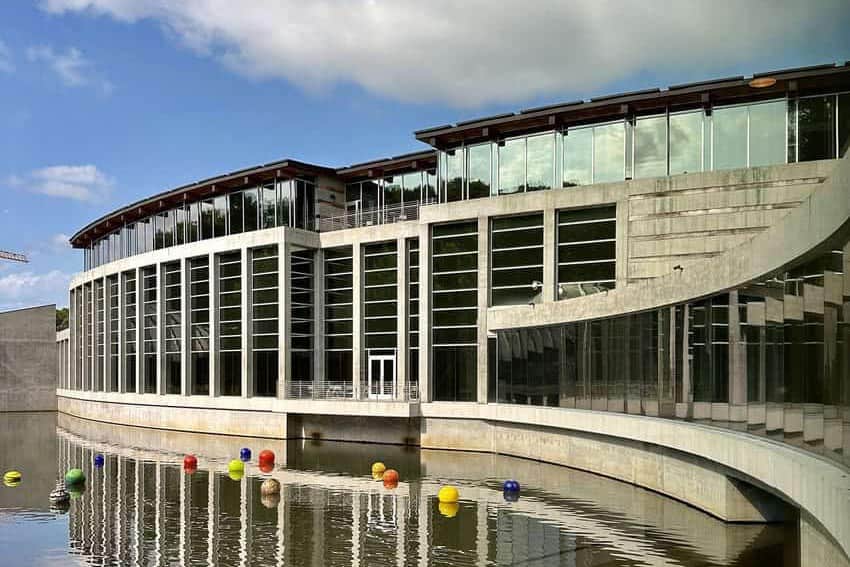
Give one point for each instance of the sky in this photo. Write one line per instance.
(104, 102)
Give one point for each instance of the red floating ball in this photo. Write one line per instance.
(266, 456)
(190, 463)
(266, 467)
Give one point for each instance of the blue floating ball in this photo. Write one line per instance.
(245, 454)
(98, 460)
(511, 486)
(511, 496)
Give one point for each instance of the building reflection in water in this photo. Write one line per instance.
(142, 508)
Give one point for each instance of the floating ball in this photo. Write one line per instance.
(266, 467)
(236, 475)
(511, 496)
(266, 457)
(236, 466)
(77, 490)
(510, 486)
(74, 476)
(98, 460)
(12, 477)
(448, 494)
(270, 500)
(270, 486)
(390, 478)
(378, 469)
(190, 463)
(245, 454)
(448, 509)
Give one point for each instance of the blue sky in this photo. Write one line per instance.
(103, 102)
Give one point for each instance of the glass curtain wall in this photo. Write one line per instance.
(114, 320)
(149, 313)
(88, 376)
(199, 313)
(413, 313)
(130, 330)
(301, 310)
(172, 327)
(454, 311)
(516, 267)
(78, 339)
(264, 319)
(380, 302)
(339, 322)
(586, 251)
(749, 135)
(100, 314)
(230, 323)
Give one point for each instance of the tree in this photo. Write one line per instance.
(62, 319)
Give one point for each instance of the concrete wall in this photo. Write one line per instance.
(28, 361)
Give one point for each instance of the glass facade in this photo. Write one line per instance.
(130, 330)
(114, 321)
(302, 314)
(264, 319)
(199, 329)
(339, 322)
(413, 311)
(454, 310)
(516, 260)
(230, 323)
(100, 329)
(282, 203)
(150, 319)
(586, 251)
(172, 328)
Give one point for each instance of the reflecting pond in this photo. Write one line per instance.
(141, 508)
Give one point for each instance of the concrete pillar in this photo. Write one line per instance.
(247, 387)
(215, 382)
(319, 318)
(424, 313)
(357, 317)
(483, 303)
(737, 363)
(550, 255)
(185, 326)
(622, 243)
(160, 329)
(140, 331)
(402, 290)
(283, 316)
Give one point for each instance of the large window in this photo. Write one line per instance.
(301, 320)
(650, 147)
(479, 170)
(114, 321)
(130, 331)
(687, 136)
(264, 315)
(230, 323)
(380, 304)
(339, 323)
(454, 300)
(594, 154)
(172, 327)
(413, 310)
(823, 127)
(516, 271)
(100, 328)
(512, 166)
(586, 251)
(199, 345)
(749, 135)
(149, 314)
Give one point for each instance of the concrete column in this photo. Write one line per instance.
(402, 290)
(215, 383)
(245, 310)
(72, 332)
(283, 316)
(140, 331)
(622, 244)
(424, 313)
(160, 329)
(550, 255)
(737, 363)
(185, 326)
(357, 353)
(319, 318)
(483, 303)
(355, 528)
(212, 519)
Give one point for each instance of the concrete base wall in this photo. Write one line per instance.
(689, 479)
(395, 431)
(28, 363)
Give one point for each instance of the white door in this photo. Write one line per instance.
(381, 376)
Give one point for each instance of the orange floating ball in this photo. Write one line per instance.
(390, 478)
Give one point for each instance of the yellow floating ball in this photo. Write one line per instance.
(378, 469)
(236, 466)
(236, 475)
(448, 509)
(448, 494)
(12, 477)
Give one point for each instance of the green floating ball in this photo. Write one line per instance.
(74, 476)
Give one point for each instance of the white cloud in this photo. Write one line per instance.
(71, 66)
(6, 65)
(480, 51)
(78, 182)
(26, 289)
(60, 242)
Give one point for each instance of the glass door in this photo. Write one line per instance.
(381, 376)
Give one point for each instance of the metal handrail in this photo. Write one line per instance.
(372, 217)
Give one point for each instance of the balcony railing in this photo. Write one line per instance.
(302, 390)
(371, 217)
